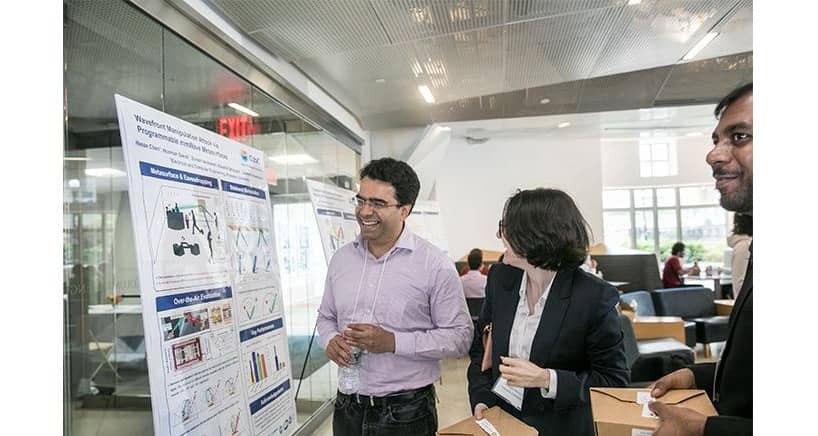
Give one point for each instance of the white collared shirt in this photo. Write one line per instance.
(524, 329)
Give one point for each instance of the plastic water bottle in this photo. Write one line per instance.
(349, 377)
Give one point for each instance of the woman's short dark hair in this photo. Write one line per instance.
(475, 258)
(743, 224)
(546, 228)
(398, 174)
(677, 248)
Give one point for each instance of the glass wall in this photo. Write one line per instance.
(112, 48)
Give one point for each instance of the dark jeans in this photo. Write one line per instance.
(411, 413)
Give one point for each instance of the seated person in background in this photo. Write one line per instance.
(483, 269)
(474, 282)
(673, 271)
(554, 329)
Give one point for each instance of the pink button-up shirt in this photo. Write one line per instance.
(420, 301)
(474, 284)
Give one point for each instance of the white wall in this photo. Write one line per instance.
(394, 143)
(621, 163)
(475, 181)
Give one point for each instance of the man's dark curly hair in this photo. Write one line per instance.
(398, 174)
(546, 228)
(731, 98)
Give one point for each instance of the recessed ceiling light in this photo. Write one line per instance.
(73, 183)
(380, 80)
(634, 2)
(104, 172)
(700, 45)
(426, 93)
(76, 158)
(563, 124)
(545, 101)
(445, 128)
(241, 108)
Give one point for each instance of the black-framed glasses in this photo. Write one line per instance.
(374, 203)
(500, 227)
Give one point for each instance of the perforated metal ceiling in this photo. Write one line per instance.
(372, 54)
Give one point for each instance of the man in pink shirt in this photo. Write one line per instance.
(474, 282)
(397, 297)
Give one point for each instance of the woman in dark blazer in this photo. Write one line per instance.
(554, 327)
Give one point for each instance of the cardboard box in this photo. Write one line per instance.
(616, 412)
(499, 418)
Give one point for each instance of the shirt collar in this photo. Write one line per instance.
(406, 240)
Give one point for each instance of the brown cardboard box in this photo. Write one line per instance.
(499, 418)
(616, 412)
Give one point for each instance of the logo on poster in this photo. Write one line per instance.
(246, 157)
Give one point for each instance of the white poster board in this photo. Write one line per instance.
(216, 344)
(335, 214)
(426, 222)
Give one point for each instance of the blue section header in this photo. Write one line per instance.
(267, 398)
(177, 301)
(267, 327)
(349, 216)
(165, 173)
(328, 212)
(235, 188)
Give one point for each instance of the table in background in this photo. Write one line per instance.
(654, 327)
(724, 307)
(715, 278)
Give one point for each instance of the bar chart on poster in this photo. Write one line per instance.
(215, 334)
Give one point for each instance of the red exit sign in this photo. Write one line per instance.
(237, 127)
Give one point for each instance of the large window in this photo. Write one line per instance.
(654, 218)
(658, 157)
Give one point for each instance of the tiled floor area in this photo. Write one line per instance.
(453, 405)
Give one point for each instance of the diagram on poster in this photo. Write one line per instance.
(251, 237)
(208, 277)
(335, 215)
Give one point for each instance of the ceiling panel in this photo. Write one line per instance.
(659, 33)
(707, 80)
(531, 9)
(307, 28)
(735, 33)
(480, 58)
(557, 49)
(409, 20)
(622, 91)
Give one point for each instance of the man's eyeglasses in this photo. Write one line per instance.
(500, 227)
(374, 203)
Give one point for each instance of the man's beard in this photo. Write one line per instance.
(740, 201)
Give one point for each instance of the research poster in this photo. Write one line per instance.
(208, 275)
(426, 222)
(335, 214)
